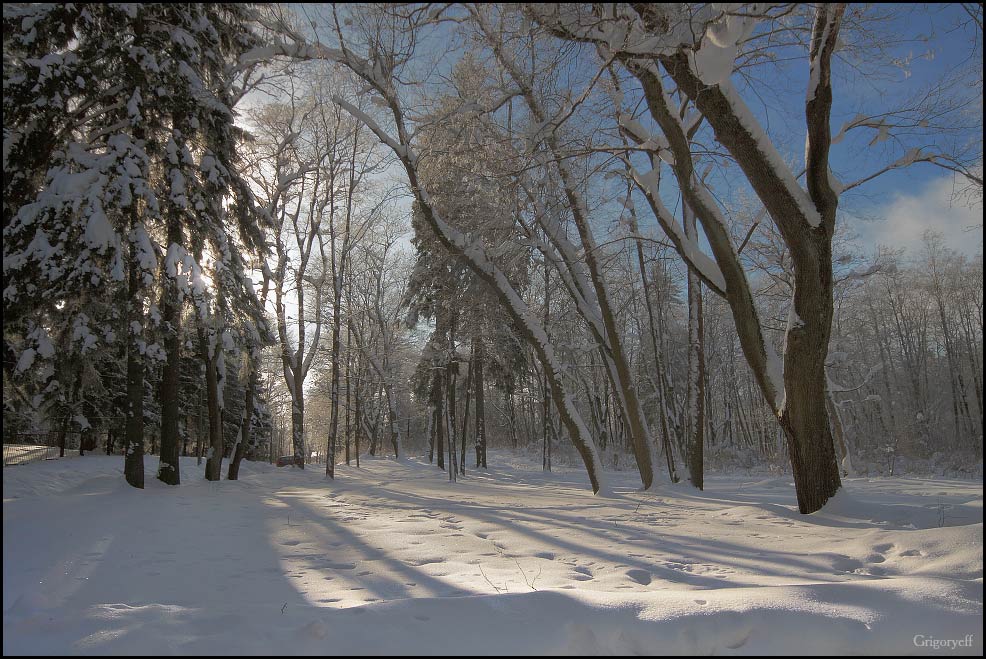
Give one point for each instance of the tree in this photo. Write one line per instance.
(695, 51)
(97, 189)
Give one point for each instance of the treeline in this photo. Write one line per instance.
(206, 210)
(129, 231)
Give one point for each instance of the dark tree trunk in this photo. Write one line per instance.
(431, 434)
(662, 398)
(298, 432)
(349, 365)
(200, 426)
(331, 444)
(214, 461)
(357, 408)
(168, 466)
(465, 416)
(696, 369)
(133, 466)
(453, 369)
(545, 402)
(511, 411)
(803, 416)
(61, 437)
(545, 423)
(439, 420)
(246, 428)
(480, 406)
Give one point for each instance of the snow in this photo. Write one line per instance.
(99, 233)
(392, 559)
(713, 60)
(775, 375)
(648, 183)
(45, 347)
(26, 360)
(773, 158)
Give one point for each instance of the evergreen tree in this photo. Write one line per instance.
(119, 150)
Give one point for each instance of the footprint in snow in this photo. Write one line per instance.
(582, 573)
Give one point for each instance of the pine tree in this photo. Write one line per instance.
(134, 145)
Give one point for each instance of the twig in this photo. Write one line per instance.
(529, 583)
(488, 579)
(503, 554)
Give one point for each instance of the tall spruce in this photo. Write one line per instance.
(120, 149)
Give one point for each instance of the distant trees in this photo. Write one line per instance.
(311, 166)
(463, 162)
(677, 64)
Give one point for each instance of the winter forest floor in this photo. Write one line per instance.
(393, 559)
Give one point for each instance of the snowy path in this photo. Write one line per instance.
(507, 562)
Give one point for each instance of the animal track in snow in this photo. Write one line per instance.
(582, 573)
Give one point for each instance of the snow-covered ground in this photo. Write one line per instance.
(393, 559)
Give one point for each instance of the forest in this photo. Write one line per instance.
(187, 279)
(655, 242)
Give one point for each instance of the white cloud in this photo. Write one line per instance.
(903, 220)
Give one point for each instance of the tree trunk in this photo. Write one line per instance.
(133, 466)
(480, 406)
(508, 396)
(440, 423)
(452, 370)
(168, 391)
(349, 386)
(298, 430)
(61, 437)
(357, 407)
(465, 416)
(210, 351)
(246, 428)
(545, 403)
(330, 461)
(545, 424)
(336, 347)
(200, 425)
(803, 414)
(431, 433)
(696, 368)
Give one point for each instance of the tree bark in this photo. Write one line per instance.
(246, 429)
(214, 459)
(465, 415)
(480, 405)
(168, 468)
(696, 368)
(440, 422)
(133, 467)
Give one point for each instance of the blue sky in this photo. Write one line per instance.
(896, 208)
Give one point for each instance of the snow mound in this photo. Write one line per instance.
(392, 558)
